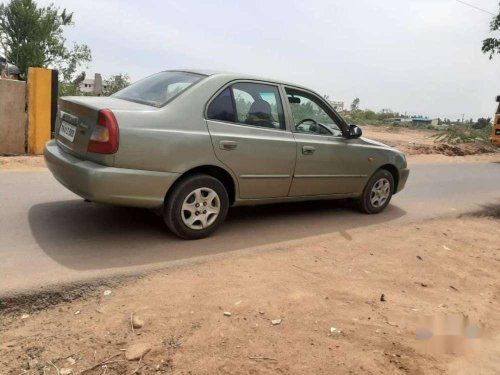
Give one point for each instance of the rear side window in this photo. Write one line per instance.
(258, 105)
(222, 107)
(252, 104)
(158, 89)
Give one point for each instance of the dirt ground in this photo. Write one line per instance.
(25, 162)
(417, 144)
(353, 302)
(420, 142)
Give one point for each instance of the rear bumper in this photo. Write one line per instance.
(98, 183)
(495, 141)
(403, 177)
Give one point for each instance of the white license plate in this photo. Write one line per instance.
(67, 131)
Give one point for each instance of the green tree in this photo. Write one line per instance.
(492, 45)
(482, 123)
(71, 88)
(355, 104)
(79, 78)
(32, 36)
(116, 83)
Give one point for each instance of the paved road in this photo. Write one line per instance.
(49, 236)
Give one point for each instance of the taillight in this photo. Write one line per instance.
(104, 138)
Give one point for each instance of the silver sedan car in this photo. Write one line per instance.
(194, 143)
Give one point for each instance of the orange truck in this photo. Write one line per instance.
(495, 135)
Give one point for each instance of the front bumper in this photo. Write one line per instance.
(99, 183)
(403, 177)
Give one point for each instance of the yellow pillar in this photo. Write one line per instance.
(39, 109)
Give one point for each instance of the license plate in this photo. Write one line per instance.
(67, 131)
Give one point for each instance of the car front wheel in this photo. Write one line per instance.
(377, 193)
(196, 207)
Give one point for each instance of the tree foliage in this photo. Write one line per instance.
(116, 83)
(32, 36)
(369, 117)
(482, 123)
(491, 46)
(355, 104)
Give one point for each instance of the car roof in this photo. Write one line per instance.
(230, 76)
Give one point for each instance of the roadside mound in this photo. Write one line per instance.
(24, 162)
(463, 149)
(415, 141)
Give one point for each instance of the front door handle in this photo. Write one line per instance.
(228, 145)
(308, 150)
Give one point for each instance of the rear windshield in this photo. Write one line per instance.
(158, 89)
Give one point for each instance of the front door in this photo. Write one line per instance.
(327, 163)
(247, 126)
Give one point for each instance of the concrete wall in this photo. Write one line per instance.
(12, 117)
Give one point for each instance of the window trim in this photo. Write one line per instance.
(339, 121)
(230, 84)
(212, 98)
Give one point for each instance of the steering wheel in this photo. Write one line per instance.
(305, 120)
(313, 128)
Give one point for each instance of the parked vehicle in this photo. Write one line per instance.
(495, 133)
(194, 143)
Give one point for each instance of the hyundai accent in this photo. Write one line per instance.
(194, 143)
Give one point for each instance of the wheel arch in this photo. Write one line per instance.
(219, 173)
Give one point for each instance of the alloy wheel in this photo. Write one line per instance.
(380, 192)
(201, 208)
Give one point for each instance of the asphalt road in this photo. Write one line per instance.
(49, 236)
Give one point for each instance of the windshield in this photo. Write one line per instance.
(158, 89)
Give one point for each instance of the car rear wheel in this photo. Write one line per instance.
(196, 207)
(377, 193)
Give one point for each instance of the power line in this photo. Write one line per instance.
(477, 8)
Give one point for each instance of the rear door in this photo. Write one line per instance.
(247, 125)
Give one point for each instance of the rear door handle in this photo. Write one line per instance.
(228, 145)
(308, 150)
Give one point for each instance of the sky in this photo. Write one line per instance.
(420, 57)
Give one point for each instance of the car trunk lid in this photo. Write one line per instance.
(78, 117)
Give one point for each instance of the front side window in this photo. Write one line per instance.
(158, 89)
(310, 114)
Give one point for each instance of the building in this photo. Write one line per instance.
(92, 85)
(87, 85)
(8, 70)
(412, 120)
(394, 120)
(338, 106)
(424, 121)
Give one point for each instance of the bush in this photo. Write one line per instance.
(462, 134)
(482, 123)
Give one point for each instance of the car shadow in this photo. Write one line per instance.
(89, 236)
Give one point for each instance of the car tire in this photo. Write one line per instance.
(196, 207)
(377, 193)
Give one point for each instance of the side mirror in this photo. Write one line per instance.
(354, 132)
